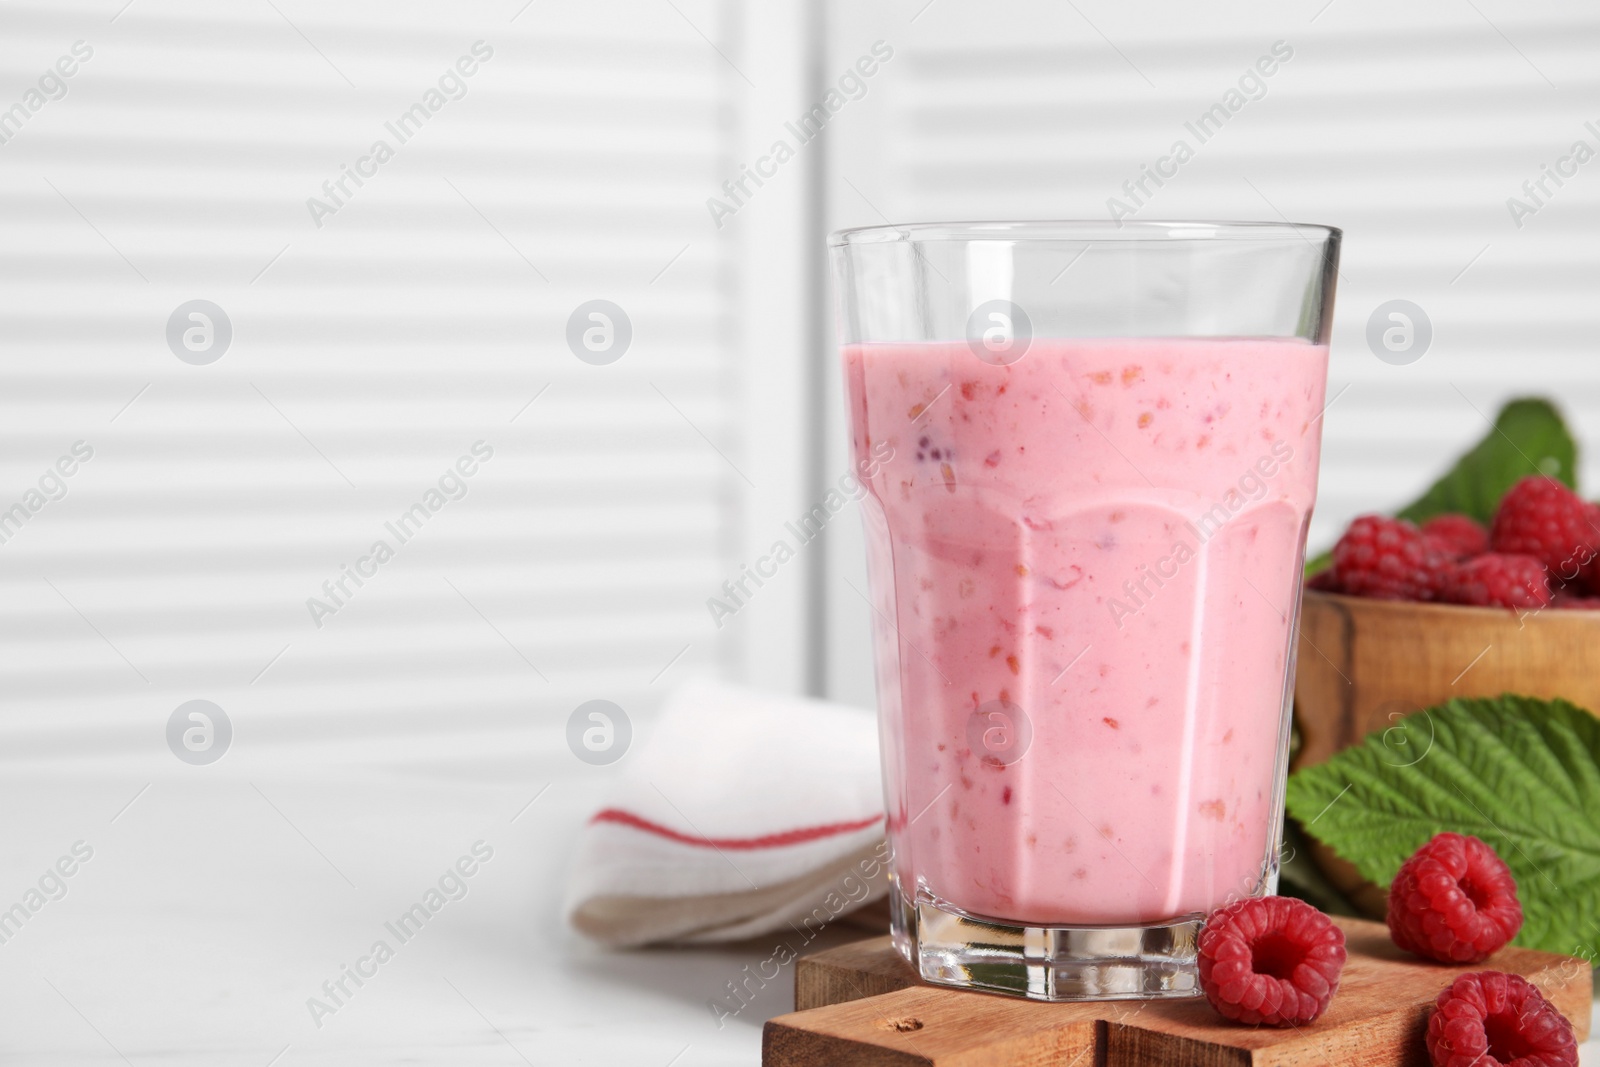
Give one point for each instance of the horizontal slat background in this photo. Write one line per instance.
(410, 324)
(367, 356)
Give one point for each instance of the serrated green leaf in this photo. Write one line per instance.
(1299, 876)
(1528, 437)
(1522, 774)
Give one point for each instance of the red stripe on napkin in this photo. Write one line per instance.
(778, 840)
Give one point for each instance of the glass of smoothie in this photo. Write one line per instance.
(1090, 454)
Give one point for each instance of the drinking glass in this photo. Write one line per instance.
(1090, 453)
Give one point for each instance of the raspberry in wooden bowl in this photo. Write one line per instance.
(1485, 585)
(1364, 664)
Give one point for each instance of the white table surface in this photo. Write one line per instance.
(219, 900)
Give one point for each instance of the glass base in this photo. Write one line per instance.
(1056, 963)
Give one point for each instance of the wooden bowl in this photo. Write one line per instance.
(1364, 664)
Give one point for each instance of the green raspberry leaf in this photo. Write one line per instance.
(1522, 774)
(1528, 437)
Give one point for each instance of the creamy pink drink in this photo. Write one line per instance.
(1101, 543)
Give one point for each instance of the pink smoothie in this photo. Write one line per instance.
(1106, 535)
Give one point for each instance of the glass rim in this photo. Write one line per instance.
(1091, 230)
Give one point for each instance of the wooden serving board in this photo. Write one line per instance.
(861, 1004)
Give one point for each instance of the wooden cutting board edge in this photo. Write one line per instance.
(861, 1004)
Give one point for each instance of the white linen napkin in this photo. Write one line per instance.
(744, 812)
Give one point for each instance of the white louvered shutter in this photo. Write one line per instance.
(368, 355)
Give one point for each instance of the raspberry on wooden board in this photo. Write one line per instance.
(1454, 901)
(1490, 1019)
(1272, 961)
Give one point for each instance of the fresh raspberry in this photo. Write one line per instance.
(1323, 581)
(1564, 601)
(1589, 573)
(1271, 960)
(1497, 580)
(1489, 1019)
(1456, 536)
(1542, 518)
(1454, 901)
(1387, 559)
